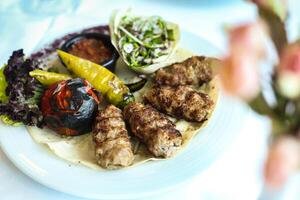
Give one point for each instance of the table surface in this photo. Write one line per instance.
(235, 175)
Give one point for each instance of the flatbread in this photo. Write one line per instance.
(81, 149)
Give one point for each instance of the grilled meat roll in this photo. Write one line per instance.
(113, 147)
(180, 102)
(195, 70)
(154, 129)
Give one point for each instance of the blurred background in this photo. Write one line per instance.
(239, 173)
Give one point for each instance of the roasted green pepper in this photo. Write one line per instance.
(133, 87)
(48, 78)
(111, 87)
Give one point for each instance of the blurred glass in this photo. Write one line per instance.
(48, 7)
(201, 3)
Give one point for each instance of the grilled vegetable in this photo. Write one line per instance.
(133, 87)
(69, 107)
(110, 86)
(48, 78)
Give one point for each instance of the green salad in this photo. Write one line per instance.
(143, 41)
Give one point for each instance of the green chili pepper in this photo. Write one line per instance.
(48, 78)
(111, 87)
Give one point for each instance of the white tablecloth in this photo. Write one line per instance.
(235, 176)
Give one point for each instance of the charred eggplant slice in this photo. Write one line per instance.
(69, 107)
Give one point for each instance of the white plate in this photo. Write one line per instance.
(139, 181)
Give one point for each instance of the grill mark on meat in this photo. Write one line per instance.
(186, 102)
(195, 71)
(154, 129)
(113, 147)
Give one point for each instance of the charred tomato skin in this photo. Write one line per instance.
(69, 107)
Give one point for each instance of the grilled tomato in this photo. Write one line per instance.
(69, 107)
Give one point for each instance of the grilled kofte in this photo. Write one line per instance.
(195, 70)
(173, 95)
(180, 102)
(113, 147)
(154, 129)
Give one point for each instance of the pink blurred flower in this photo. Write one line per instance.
(239, 71)
(289, 71)
(282, 161)
(248, 39)
(290, 60)
(239, 77)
